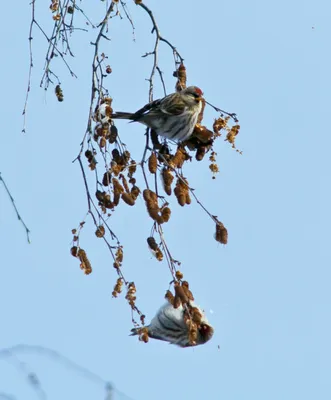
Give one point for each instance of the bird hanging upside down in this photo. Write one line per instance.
(173, 325)
(173, 117)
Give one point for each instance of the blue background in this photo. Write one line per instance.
(267, 293)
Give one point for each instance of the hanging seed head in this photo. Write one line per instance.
(113, 134)
(152, 243)
(128, 199)
(180, 296)
(221, 234)
(152, 163)
(58, 90)
(166, 213)
(100, 232)
(167, 179)
(185, 286)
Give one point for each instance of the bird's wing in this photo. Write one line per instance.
(144, 110)
(170, 106)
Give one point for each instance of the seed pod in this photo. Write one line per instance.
(73, 251)
(196, 315)
(185, 286)
(85, 263)
(181, 77)
(187, 198)
(203, 134)
(132, 168)
(100, 232)
(103, 142)
(180, 193)
(58, 90)
(180, 294)
(165, 213)
(167, 178)
(88, 155)
(106, 180)
(135, 191)
(170, 297)
(113, 134)
(128, 199)
(126, 156)
(159, 254)
(152, 163)
(179, 158)
(119, 255)
(116, 156)
(152, 243)
(155, 248)
(220, 124)
(201, 151)
(221, 234)
(179, 275)
(100, 195)
(193, 332)
(118, 190)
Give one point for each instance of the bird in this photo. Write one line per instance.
(173, 117)
(170, 325)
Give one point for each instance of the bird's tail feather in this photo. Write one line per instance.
(134, 331)
(122, 115)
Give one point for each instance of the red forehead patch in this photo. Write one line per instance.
(198, 91)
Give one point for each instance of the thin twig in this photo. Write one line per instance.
(30, 65)
(16, 210)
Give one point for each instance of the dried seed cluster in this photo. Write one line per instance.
(180, 74)
(131, 294)
(221, 234)
(167, 179)
(118, 287)
(155, 248)
(158, 214)
(213, 165)
(118, 257)
(85, 264)
(58, 93)
(182, 191)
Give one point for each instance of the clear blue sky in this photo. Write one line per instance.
(267, 293)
